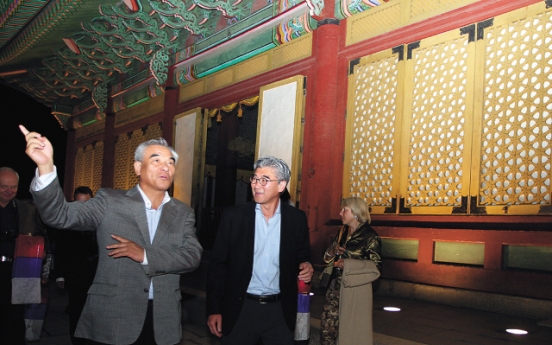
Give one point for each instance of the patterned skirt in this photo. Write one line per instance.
(329, 323)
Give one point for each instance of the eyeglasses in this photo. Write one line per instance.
(263, 180)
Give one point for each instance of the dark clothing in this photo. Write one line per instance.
(231, 262)
(21, 216)
(364, 244)
(329, 324)
(8, 230)
(73, 250)
(12, 316)
(257, 321)
(76, 259)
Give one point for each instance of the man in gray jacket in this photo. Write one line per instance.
(146, 240)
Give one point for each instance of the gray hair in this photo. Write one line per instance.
(281, 168)
(10, 170)
(139, 153)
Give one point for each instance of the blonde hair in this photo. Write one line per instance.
(358, 207)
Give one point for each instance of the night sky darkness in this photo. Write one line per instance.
(18, 108)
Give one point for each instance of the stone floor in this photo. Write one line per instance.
(417, 323)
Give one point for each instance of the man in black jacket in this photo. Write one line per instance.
(260, 252)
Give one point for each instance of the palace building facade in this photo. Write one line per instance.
(437, 113)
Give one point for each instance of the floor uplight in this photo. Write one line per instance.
(391, 309)
(516, 331)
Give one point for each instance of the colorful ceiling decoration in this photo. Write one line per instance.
(69, 54)
(14, 15)
(348, 8)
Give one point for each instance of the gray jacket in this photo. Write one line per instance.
(117, 300)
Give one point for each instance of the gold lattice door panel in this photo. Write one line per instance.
(516, 113)
(460, 122)
(125, 177)
(98, 166)
(371, 149)
(88, 166)
(437, 123)
(79, 168)
(120, 180)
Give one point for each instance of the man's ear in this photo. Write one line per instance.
(282, 186)
(137, 167)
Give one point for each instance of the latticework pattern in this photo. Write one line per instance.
(437, 124)
(88, 166)
(252, 67)
(424, 8)
(516, 126)
(79, 168)
(369, 24)
(375, 88)
(136, 139)
(125, 177)
(295, 50)
(121, 162)
(98, 165)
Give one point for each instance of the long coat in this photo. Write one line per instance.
(355, 304)
(362, 264)
(118, 299)
(231, 262)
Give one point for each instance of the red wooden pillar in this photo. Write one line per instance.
(108, 163)
(169, 108)
(321, 148)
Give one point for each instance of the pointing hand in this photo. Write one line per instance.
(40, 150)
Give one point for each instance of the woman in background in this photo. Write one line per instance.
(355, 254)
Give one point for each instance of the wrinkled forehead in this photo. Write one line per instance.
(8, 178)
(157, 151)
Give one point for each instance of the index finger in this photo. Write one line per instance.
(23, 130)
(120, 239)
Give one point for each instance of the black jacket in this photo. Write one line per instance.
(231, 262)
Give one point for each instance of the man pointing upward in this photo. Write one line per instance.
(146, 240)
